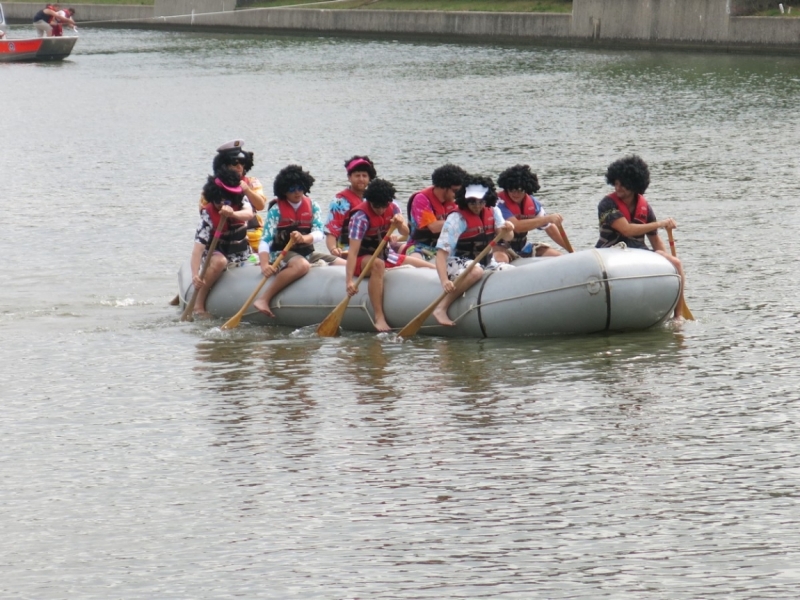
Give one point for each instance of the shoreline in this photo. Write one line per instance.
(606, 24)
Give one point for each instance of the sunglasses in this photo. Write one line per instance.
(296, 188)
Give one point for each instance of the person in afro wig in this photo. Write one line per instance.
(625, 215)
(428, 208)
(292, 215)
(366, 226)
(232, 155)
(518, 205)
(466, 232)
(224, 198)
(360, 171)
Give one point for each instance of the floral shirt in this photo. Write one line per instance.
(271, 227)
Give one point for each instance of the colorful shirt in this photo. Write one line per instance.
(359, 223)
(507, 214)
(339, 208)
(455, 225)
(608, 212)
(205, 233)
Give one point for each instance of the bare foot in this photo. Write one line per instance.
(441, 316)
(382, 326)
(201, 313)
(263, 309)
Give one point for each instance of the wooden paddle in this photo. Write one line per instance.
(685, 312)
(187, 312)
(416, 323)
(564, 237)
(330, 326)
(234, 321)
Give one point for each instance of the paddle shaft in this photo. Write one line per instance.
(234, 321)
(330, 326)
(187, 311)
(416, 323)
(564, 237)
(685, 312)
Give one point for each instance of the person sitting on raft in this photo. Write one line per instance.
(520, 207)
(360, 171)
(625, 215)
(291, 215)
(225, 198)
(231, 154)
(366, 225)
(465, 233)
(428, 208)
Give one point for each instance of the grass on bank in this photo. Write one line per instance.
(553, 6)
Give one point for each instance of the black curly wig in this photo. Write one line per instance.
(448, 175)
(290, 176)
(368, 168)
(213, 193)
(519, 177)
(490, 196)
(380, 192)
(631, 172)
(231, 157)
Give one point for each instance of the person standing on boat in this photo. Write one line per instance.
(44, 19)
(360, 171)
(520, 207)
(625, 215)
(465, 233)
(365, 226)
(225, 197)
(232, 155)
(58, 29)
(291, 215)
(428, 208)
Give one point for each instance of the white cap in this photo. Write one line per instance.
(232, 145)
(475, 190)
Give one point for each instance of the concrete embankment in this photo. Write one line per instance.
(698, 24)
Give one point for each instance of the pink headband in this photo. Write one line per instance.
(232, 190)
(357, 162)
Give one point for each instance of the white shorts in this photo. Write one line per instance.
(456, 265)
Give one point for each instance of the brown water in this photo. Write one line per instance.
(147, 458)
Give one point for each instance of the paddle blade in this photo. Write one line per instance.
(414, 325)
(233, 322)
(330, 326)
(685, 312)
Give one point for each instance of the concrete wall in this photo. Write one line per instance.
(186, 7)
(23, 12)
(640, 23)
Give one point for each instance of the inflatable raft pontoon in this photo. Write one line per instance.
(608, 289)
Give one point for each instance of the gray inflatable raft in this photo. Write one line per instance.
(596, 290)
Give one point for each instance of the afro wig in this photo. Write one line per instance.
(631, 172)
(448, 175)
(379, 192)
(214, 193)
(360, 163)
(490, 196)
(289, 177)
(519, 177)
(226, 158)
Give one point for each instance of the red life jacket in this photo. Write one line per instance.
(291, 220)
(479, 232)
(352, 200)
(234, 235)
(440, 211)
(639, 215)
(527, 209)
(378, 226)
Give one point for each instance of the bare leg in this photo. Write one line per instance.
(547, 252)
(440, 314)
(376, 278)
(216, 266)
(296, 268)
(415, 261)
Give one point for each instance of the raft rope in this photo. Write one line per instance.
(165, 18)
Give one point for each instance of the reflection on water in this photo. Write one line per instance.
(162, 459)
